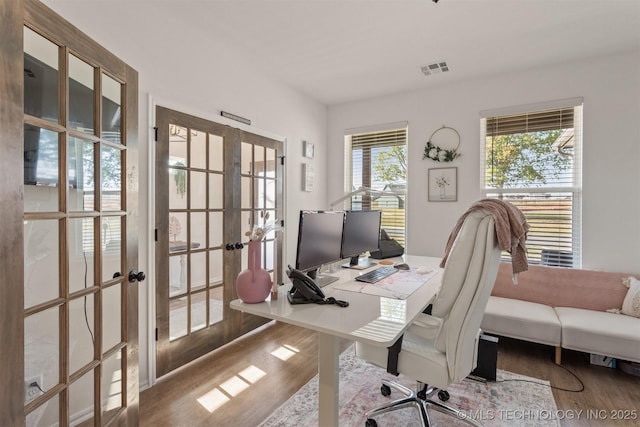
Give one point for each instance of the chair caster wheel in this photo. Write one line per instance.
(385, 390)
(371, 423)
(443, 395)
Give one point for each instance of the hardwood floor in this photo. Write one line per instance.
(242, 383)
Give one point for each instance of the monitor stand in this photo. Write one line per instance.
(359, 263)
(321, 280)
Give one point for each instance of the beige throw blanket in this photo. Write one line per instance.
(511, 230)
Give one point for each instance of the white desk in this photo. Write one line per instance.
(369, 318)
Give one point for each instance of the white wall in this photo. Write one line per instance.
(182, 69)
(610, 87)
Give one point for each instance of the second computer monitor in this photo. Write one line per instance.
(319, 240)
(361, 233)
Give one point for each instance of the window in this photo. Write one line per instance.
(377, 160)
(531, 157)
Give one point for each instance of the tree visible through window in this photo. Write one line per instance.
(377, 161)
(533, 161)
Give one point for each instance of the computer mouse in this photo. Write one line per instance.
(402, 266)
(423, 270)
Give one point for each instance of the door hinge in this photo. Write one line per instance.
(282, 160)
(156, 334)
(282, 223)
(156, 234)
(155, 130)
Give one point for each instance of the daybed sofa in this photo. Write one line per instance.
(564, 308)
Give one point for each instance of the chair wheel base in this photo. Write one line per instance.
(371, 423)
(443, 395)
(385, 390)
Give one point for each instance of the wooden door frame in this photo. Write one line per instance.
(11, 211)
(237, 323)
(14, 14)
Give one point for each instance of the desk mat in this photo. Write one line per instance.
(398, 286)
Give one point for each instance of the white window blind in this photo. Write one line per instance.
(533, 160)
(377, 160)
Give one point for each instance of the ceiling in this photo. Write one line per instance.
(339, 51)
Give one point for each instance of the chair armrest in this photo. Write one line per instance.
(426, 326)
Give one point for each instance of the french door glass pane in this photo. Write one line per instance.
(270, 154)
(198, 270)
(246, 158)
(259, 166)
(216, 193)
(111, 109)
(81, 254)
(245, 188)
(111, 164)
(42, 348)
(111, 316)
(45, 415)
(215, 267)
(177, 177)
(177, 188)
(41, 170)
(216, 290)
(41, 261)
(177, 232)
(41, 87)
(198, 229)
(270, 194)
(111, 239)
(80, 401)
(198, 154)
(81, 95)
(198, 311)
(177, 318)
(215, 229)
(216, 312)
(112, 388)
(81, 174)
(216, 153)
(198, 189)
(81, 332)
(177, 274)
(259, 192)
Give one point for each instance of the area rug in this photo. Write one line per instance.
(511, 400)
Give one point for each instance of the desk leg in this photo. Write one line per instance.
(328, 380)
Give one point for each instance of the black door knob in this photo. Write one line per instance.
(135, 275)
(229, 247)
(239, 246)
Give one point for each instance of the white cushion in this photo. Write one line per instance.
(524, 320)
(631, 303)
(599, 332)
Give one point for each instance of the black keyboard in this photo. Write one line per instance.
(376, 275)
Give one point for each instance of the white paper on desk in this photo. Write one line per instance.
(399, 285)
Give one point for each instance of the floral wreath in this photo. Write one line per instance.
(438, 154)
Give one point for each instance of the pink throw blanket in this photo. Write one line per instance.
(511, 231)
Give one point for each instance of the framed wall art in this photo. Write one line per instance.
(308, 177)
(308, 150)
(443, 184)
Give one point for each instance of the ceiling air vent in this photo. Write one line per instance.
(435, 68)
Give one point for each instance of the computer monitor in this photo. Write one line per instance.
(361, 233)
(319, 242)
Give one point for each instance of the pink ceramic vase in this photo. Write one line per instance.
(253, 285)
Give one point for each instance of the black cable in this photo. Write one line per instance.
(86, 317)
(35, 384)
(549, 385)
